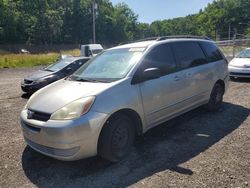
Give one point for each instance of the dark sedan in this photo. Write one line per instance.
(61, 68)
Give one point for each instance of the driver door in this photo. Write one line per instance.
(162, 97)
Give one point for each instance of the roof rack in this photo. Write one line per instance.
(168, 37)
(183, 36)
(141, 40)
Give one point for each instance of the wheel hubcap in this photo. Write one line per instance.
(120, 138)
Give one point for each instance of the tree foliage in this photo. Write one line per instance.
(70, 21)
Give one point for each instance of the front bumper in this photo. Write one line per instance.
(31, 88)
(64, 140)
(238, 71)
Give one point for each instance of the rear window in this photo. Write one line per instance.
(188, 54)
(213, 53)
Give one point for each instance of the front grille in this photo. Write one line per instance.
(30, 127)
(35, 129)
(27, 81)
(240, 73)
(40, 116)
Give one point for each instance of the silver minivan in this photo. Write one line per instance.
(122, 93)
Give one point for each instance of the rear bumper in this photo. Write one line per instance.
(64, 140)
(239, 72)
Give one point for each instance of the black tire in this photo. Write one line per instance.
(117, 138)
(216, 98)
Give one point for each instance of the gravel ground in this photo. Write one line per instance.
(197, 149)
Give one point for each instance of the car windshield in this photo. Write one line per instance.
(244, 54)
(58, 65)
(109, 66)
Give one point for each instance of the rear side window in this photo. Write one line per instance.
(213, 53)
(73, 66)
(188, 54)
(160, 57)
(81, 62)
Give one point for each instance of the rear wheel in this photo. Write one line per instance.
(116, 138)
(216, 98)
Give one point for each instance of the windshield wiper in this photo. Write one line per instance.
(49, 70)
(92, 80)
(82, 79)
(85, 80)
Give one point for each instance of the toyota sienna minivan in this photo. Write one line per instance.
(122, 93)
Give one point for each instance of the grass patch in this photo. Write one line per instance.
(75, 52)
(30, 60)
(26, 60)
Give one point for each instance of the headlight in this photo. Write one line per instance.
(44, 79)
(25, 107)
(39, 81)
(29, 101)
(231, 66)
(74, 110)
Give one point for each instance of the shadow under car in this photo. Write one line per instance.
(164, 147)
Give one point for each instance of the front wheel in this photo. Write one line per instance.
(216, 98)
(116, 139)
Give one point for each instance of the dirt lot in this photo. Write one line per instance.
(198, 149)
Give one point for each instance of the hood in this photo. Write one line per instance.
(39, 74)
(62, 92)
(240, 62)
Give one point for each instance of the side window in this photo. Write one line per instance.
(79, 63)
(160, 57)
(188, 54)
(73, 66)
(213, 53)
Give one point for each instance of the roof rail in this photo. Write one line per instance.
(168, 37)
(183, 36)
(147, 39)
(140, 40)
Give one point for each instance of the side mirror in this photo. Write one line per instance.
(151, 73)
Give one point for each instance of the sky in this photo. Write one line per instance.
(149, 11)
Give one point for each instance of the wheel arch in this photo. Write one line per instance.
(132, 114)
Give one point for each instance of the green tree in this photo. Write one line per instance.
(70, 21)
